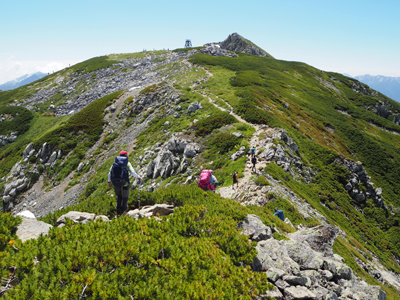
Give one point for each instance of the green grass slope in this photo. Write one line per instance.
(306, 102)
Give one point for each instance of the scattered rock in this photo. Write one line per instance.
(32, 229)
(26, 214)
(255, 229)
(77, 217)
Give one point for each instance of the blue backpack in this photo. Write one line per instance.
(119, 171)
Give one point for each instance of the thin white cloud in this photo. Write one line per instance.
(11, 68)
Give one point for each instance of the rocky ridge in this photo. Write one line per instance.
(127, 74)
(302, 267)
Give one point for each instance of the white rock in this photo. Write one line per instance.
(32, 229)
(76, 216)
(26, 214)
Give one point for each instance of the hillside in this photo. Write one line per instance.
(328, 156)
(390, 86)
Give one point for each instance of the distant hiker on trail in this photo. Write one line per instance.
(207, 181)
(253, 151)
(118, 178)
(253, 161)
(279, 213)
(213, 180)
(235, 180)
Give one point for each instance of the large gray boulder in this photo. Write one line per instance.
(273, 294)
(299, 293)
(273, 254)
(149, 211)
(255, 228)
(77, 217)
(193, 107)
(27, 150)
(32, 229)
(269, 153)
(164, 164)
(275, 274)
(297, 280)
(52, 158)
(338, 269)
(301, 252)
(177, 145)
(191, 150)
(361, 290)
(320, 238)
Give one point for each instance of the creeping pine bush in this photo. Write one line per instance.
(8, 229)
(193, 255)
(224, 142)
(207, 125)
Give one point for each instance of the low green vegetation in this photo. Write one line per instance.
(94, 64)
(17, 119)
(77, 134)
(217, 120)
(8, 230)
(293, 96)
(187, 49)
(194, 255)
(261, 180)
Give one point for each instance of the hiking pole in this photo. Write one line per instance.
(139, 194)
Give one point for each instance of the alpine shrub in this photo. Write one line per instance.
(217, 120)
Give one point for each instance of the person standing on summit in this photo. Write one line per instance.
(118, 178)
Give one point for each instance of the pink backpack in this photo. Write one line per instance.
(204, 180)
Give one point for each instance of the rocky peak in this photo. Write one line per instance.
(236, 43)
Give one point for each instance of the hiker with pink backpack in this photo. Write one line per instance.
(207, 181)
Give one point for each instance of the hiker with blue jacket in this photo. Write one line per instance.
(279, 213)
(118, 178)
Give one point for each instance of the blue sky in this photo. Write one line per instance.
(353, 37)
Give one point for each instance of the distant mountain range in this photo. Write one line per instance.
(389, 86)
(26, 79)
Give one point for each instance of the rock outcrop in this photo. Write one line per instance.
(305, 267)
(236, 43)
(359, 185)
(280, 148)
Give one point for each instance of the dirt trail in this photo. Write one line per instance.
(229, 192)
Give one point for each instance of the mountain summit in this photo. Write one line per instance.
(236, 43)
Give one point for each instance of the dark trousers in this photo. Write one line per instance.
(122, 193)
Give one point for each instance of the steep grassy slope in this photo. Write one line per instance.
(265, 87)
